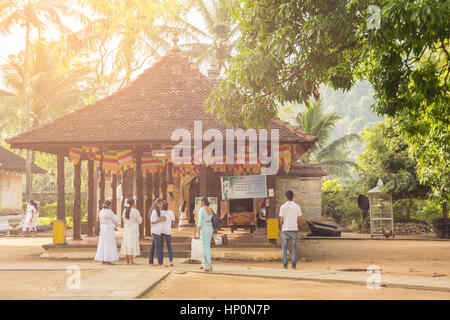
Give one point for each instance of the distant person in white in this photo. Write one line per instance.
(107, 245)
(130, 242)
(290, 214)
(30, 222)
(166, 229)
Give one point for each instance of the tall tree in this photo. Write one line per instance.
(288, 48)
(387, 157)
(33, 14)
(332, 156)
(215, 44)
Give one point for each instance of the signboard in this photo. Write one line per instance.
(212, 205)
(244, 187)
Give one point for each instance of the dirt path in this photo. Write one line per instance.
(406, 257)
(210, 286)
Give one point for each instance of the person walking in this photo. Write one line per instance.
(130, 243)
(30, 222)
(204, 232)
(166, 229)
(290, 214)
(156, 220)
(107, 246)
(183, 222)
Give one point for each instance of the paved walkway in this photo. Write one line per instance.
(114, 284)
(125, 282)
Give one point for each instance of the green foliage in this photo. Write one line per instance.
(342, 204)
(332, 156)
(49, 212)
(331, 185)
(387, 157)
(289, 48)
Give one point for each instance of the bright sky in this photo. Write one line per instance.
(15, 41)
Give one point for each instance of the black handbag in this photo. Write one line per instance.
(216, 221)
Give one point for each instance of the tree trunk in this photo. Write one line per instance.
(444, 210)
(28, 111)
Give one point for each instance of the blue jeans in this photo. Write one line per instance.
(286, 236)
(157, 243)
(168, 239)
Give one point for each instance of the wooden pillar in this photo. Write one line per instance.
(203, 181)
(156, 184)
(148, 204)
(114, 194)
(271, 180)
(77, 202)
(164, 183)
(61, 205)
(140, 190)
(101, 199)
(91, 204)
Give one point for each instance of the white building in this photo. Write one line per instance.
(12, 168)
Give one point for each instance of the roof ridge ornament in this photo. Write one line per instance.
(175, 39)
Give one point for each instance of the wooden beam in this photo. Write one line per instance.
(101, 199)
(61, 205)
(91, 217)
(156, 184)
(203, 181)
(140, 191)
(114, 194)
(77, 202)
(271, 184)
(148, 204)
(164, 183)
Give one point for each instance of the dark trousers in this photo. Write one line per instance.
(168, 239)
(157, 244)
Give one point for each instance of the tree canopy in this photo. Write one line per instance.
(288, 48)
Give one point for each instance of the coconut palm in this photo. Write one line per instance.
(216, 43)
(332, 156)
(33, 15)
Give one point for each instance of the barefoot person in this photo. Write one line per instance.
(156, 220)
(107, 246)
(30, 219)
(290, 214)
(130, 242)
(166, 229)
(204, 232)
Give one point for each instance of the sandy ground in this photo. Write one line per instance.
(411, 258)
(408, 257)
(210, 286)
(26, 285)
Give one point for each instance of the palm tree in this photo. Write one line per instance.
(332, 156)
(219, 37)
(33, 14)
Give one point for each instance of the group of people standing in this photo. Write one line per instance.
(161, 219)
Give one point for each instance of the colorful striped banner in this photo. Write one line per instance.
(75, 155)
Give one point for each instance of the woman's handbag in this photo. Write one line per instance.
(216, 221)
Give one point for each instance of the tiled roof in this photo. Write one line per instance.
(11, 161)
(167, 96)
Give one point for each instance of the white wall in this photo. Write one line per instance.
(10, 191)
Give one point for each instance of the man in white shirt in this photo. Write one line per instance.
(290, 214)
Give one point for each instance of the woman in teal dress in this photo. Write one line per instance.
(205, 229)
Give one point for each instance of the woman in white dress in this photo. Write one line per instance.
(183, 222)
(30, 218)
(107, 245)
(130, 242)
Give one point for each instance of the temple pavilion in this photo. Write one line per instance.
(125, 139)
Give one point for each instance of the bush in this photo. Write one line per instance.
(50, 211)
